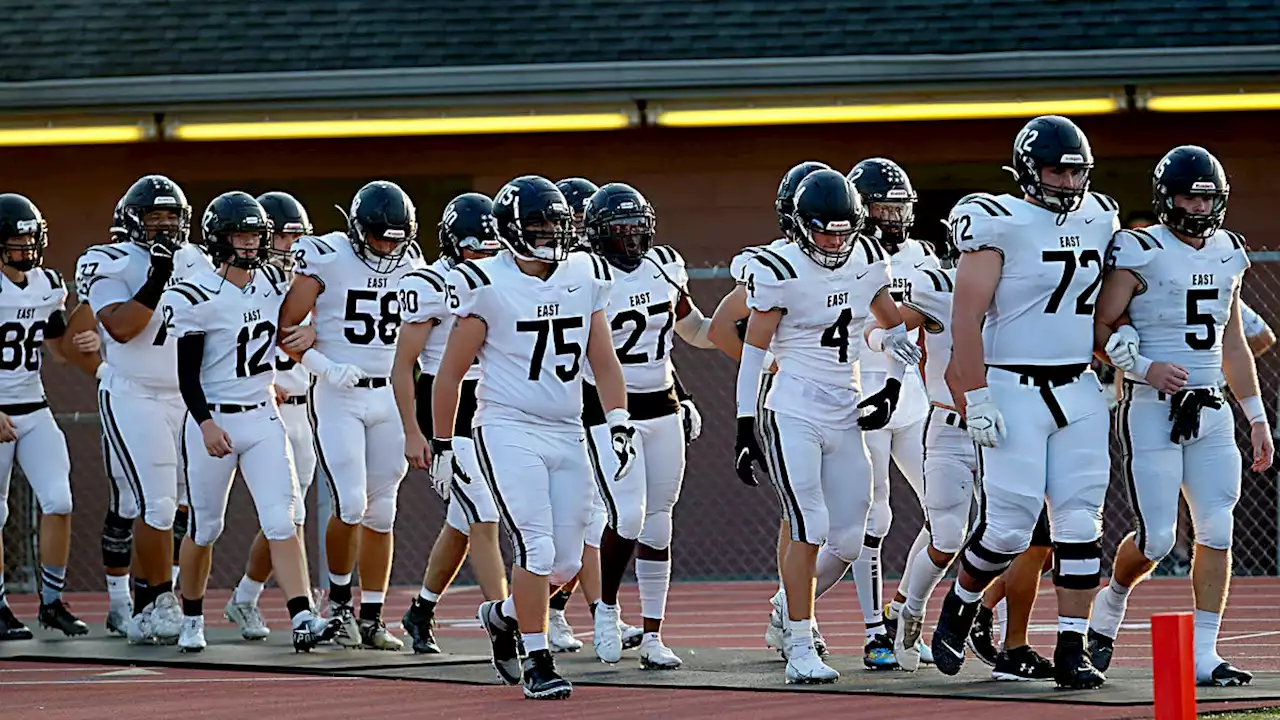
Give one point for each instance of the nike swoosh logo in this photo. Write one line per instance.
(864, 272)
(46, 297)
(921, 265)
(1226, 259)
(658, 277)
(953, 651)
(574, 288)
(1089, 220)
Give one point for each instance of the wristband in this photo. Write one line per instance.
(616, 417)
(316, 361)
(1253, 409)
(977, 396)
(748, 388)
(1140, 366)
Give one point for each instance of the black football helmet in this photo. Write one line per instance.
(785, 204)
(528, 201)
(620, 225)
(288, 217)
(148, 194)
(231, 213)
(383, 211)
(468, 224)
(1190, 170)
(20, 218)
(1051, 141)
(827, 203)
(577, 191)
(888, 197)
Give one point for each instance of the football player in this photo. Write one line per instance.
(1177, 433)
(804, 298)
(728, 332)
(347, 283)
(890, 199)
(1031, 268)
(138, 399)
(467, 231)
(289, 221)
(647, 301)
(577, 191)
(33, 302)
(533, 314)
(223, 320)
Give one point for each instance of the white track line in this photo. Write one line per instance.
(175, 681)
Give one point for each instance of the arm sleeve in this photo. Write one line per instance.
(56, 326)
(190, 358)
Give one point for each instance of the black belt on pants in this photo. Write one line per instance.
(1048, 377)
(23, 408)
(229, 409)
(951, 417)
(373, 382)
(294, 400)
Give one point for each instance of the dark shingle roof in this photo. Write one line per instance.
(56, 39)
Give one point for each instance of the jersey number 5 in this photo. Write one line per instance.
(1197, 319)
(557, 328)
(1084, 302)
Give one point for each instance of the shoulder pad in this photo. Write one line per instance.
(189, 291)
(940, 280)
(99, 261)
(868, 250)
(1132, 249)
(600, 268)
(55, 279)
(977, 224)
(774, 263)
(472, 274)
(990, 206)
(1105, 202)
(1237, 240)
(667, 255)
(423, 278)
(738, 265)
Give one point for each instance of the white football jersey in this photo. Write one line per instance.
(424, 298)
(1042, 311)
(817, 342)
(536, 341)
(911, 257)
(1251, 320)
(291, 377)
(1184, 296)
(932, 290)
(24, 315)
(239, 328)
(738, 269)
(642, 315)
(111, 274)
(357, 315)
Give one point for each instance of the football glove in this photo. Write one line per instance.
(883, 403)
(621, 434)
(692, 420)
(985, 423)
(898, 344)
(746, 449)
(445, 467)
(1122, 348)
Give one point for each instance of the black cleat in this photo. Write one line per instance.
(505, 644)
(314, 631)
(878, 653)
(541, 681)
(11, 628)
(982, 638)
(1228, 675)
(949, 636)
(1072, 668)
(1022, 664)
(1101, 648)
(420, 623)
(56, 616)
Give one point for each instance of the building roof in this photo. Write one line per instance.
(76, 39)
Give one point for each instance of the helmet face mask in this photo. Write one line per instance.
(237, 231)
(890, 199)
(620, 224)
(24, 234)
(154, 210)
(382, 224)
(828, 216)
(534, 220)
(1184, 180)
(290, 221)
(1053, 143)
(829, 246)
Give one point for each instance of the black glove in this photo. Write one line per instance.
(159, 273)
(884, 403)
(747, 449)
(1184, 411)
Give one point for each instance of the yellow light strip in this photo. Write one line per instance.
(885, 113)
(88, 135)
(318, 129)
(1214, 103)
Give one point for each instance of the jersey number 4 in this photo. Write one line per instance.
(20, 345)
(837, 334)
(1085, 300)
(553, 327)
(639, 322)
(384, 326)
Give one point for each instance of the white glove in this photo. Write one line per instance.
(1122, 348)
(692, 420)
(986, 424)
(899, 345)
(343, 375)
(445, 467)
(621, 432)
(102, 370)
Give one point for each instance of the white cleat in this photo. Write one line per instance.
(166, 619)
(806, 668)
(560, 633)
(926, 652)
(631, 636)
(656, 656)
(906, 645)
(191, 637)
(774, 634)
(138, 629)
(118, 616)
(348, 634)
(248, 618)
(608, 634)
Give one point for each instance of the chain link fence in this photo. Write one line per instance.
(723, 529)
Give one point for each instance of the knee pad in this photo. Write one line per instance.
(1155, 543)
(351, 505)
(536, 554)
(946, 531)
(277, 524)
(595, 528)
(117, 541)
(845, 546)
(983, 563)
(1214, 530)
(207, 532)
(629, 523)
(161, 513)
(656, 532)
(1077, 566)
(58, 504)
(565, 571)
(455, 518)
(880, 518)
(380, 515)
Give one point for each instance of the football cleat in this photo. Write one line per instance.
(631, 636)
(906, 642)
(1226, 675)
(805, 668)
(504, 643)
(541, 681)
(247, 618)
(420, 622)
(166, 619)
(374, 635)
(560, 634)
(1072, 668)
(1101, 649)
(348, 634)
(608, 635)
(56, 616)
(775, 633)
(138, 629)
(118, 615)
(310, 630)
(819, 642)
(656, 656)
(191, 635)
(982, 636)
(949, 636)
(1022, 664)
(877, 654)
(11, 628)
